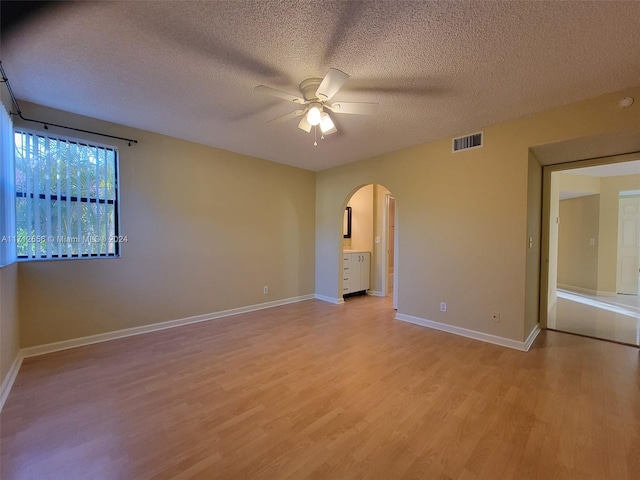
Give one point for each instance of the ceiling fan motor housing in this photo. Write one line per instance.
(309, 87)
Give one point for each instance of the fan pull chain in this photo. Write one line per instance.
(315, 135)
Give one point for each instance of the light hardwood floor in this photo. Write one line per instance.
(320, 391)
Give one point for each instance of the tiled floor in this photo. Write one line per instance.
(611, 318)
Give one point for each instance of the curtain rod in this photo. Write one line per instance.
(5, 80)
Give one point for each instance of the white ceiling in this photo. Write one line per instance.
(610, 170)
(437, 69)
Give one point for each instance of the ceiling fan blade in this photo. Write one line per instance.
(331, 83)
(304, 124)
(354, 108)
(277, 93)
(287, 116)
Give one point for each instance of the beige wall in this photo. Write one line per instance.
(207, 229)
(9, 324)
(346, 243)
(578, 243)
(361, 204)
(566, 182)
(610, 188)
(462, 220)
(457, 227)
(586, 184)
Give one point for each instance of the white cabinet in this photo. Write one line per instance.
(355, 271)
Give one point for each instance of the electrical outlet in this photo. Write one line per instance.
(265, 289)
(495, 316)
(443, 307)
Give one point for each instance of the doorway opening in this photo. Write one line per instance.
(369, 260)
(594, 250)
(390, 232)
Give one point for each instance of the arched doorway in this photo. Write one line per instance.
(370, 236)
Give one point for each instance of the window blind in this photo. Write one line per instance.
(66, 198)
(7, 210)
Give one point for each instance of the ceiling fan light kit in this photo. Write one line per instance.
(304, 124)
(316, 92)
(315, 114)
(326, 124)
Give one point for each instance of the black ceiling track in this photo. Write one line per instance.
(46, 125)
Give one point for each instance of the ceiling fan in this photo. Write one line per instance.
(316, 92)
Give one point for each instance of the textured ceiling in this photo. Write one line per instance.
(437, 69)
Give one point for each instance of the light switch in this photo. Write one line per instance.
(377, 239)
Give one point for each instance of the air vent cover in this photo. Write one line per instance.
(469, 141)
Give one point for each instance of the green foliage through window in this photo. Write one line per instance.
(66, 198)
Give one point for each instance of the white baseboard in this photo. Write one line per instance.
(573, 288)
(602, 293)
(587, 291)
(375, 293)
(5, 388)
(532, 336)
(464, 332)
(128, 332)
(324, 298)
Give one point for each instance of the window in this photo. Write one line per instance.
(66, 198)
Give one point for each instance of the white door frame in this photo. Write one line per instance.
(385, 254)
(383, 245)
